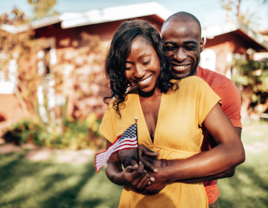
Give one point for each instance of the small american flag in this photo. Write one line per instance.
(128, 140)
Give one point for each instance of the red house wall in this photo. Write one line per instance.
(226, 43)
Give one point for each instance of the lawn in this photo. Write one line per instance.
(47, 184)
(28, 184)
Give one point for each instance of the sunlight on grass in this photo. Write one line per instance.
(248, 188)
(44, 184)
(28, 184)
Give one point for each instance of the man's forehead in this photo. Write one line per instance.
(187, 28)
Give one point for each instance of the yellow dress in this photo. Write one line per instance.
(178, 135)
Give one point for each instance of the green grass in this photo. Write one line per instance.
(248, 188)
(29, 184)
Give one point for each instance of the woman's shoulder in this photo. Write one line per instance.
(193, 81)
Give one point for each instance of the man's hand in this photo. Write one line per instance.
(135, 177)
(146, 156)
(159, 183)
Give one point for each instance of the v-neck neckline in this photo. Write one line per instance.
(144, 121)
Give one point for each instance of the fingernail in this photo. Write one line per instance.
(152, 179)
(149, 183)
(155, 170)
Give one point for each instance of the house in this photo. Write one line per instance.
(64, 38)
(229, 40)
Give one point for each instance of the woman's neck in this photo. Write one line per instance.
(153, 93)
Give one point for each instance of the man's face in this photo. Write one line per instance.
(183, 44)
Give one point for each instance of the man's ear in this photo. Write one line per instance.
(202, 44)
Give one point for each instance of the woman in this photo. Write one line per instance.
(170, 116)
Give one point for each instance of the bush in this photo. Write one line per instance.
(74, 134)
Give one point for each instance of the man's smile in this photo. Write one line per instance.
(181, 67)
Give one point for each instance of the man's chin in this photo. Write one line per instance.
(181, 75)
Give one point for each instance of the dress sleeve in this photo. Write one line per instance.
(107, 127)
(207, 99)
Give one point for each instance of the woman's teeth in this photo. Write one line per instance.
(147, 80)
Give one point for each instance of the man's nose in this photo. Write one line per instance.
(180, 55)
(139, 72)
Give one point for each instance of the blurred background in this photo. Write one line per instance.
(52, 85)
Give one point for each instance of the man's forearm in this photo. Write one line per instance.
(164, 163)
(226, 174)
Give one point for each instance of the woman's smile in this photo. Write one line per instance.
(145, 80)
(143, 65)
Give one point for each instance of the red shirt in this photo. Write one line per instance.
(231, 105)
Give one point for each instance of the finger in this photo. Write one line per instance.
(152, 179)
(143, 182)
(150, 153)
(134, 162)
(131, 169)
(146, 183)
(137, 177)
(141, 167)
(148, 165)
(135, 167)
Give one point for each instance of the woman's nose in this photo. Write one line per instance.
(139, 72)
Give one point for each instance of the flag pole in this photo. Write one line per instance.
(138, 157)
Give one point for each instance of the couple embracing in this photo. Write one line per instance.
(189, 125)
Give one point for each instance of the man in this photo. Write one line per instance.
(182, 36)
(181, 33)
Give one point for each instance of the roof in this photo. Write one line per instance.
(113, 14)
(75, 19)
(216, 30)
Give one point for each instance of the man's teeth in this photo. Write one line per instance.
(181, 67)
(145, 81)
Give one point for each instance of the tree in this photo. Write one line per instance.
(42, 8)
(233, 11)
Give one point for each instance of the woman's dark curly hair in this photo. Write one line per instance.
(119, 51)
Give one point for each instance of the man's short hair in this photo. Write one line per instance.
(182, 17)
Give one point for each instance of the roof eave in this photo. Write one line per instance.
(97, 16)
(217, 30)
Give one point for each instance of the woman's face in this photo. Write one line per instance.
(142, 65)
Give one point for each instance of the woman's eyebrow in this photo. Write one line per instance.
(143, 55)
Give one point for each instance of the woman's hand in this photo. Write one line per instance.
(135, 177)
(129, 157)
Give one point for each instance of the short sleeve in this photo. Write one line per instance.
(107, 127)
(207, 99)
(231, 102)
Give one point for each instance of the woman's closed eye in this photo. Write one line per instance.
(128, 66)
(146, 62)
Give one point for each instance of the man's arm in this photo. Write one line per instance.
(129, 157)
(225, 174)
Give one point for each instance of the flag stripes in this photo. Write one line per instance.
(128, 140)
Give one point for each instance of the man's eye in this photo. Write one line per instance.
(190, 48)
(170, 48)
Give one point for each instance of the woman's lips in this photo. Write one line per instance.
(146, 80)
